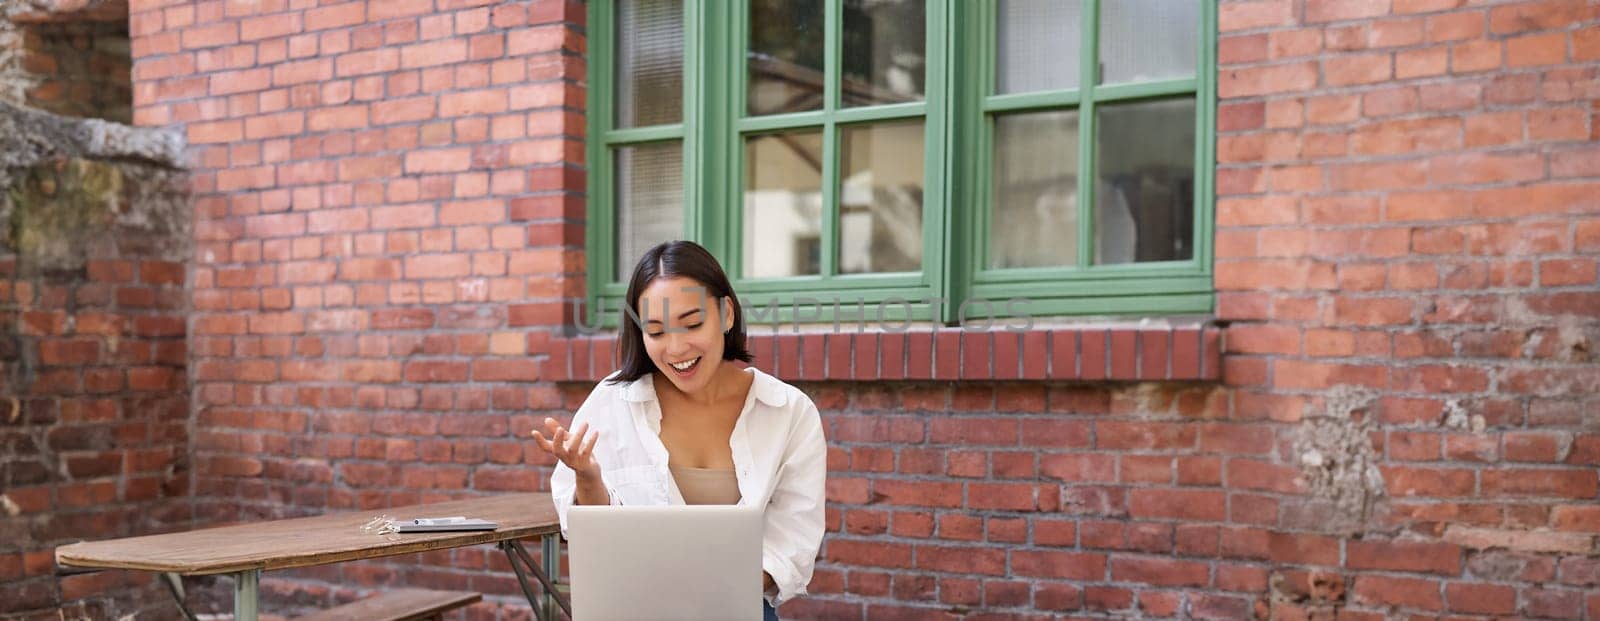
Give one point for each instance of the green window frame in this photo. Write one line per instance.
(959, 114)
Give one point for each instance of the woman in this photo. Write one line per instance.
(680, 424)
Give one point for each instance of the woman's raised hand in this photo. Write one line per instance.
(575, 449)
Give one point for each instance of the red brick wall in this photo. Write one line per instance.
(389, 217)
(383, 192)
(1409, 201)
(97, 444)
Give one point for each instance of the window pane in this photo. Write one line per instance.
(649, 71)
(1148, 39)
(884, 51)
(783, 204)
(785, 56)
(1035, 215)
(1144, 187)
(880, 199)
(1037, 45)
(649, 200)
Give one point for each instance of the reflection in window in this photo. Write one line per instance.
(1035, 213)
(884, 51)
(785, 56)
(1144, 182)
(880, 201)
(783, 204)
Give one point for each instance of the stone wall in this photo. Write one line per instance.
(94, 403)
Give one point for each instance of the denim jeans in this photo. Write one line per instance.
(768, 613)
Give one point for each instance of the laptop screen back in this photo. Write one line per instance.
(665, 562)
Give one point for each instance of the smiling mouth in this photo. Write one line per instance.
(687, 365)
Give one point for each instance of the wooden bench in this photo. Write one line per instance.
(398, 605)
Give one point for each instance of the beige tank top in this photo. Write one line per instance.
(705, 486)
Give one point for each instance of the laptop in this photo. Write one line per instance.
(665, 562)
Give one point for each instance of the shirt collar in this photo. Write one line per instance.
(768, 389)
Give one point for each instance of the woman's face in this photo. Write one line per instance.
(683, 329)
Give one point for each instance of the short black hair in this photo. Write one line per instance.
(677, 258)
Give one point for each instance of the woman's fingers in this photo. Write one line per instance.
(576, 439)
(563, 442)
(587, 448)
(543, 443)
(574, 448)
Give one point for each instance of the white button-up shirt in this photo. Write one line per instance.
(779, 457)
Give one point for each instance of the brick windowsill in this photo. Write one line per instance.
(1084, 353)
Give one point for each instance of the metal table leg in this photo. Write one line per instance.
(174, 584)
(551, 549)
(246, 586)
(544, 606)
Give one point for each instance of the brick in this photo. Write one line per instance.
(301, 72)
(1241, 49)
(1283, 44)
(1176, 504)
(1565, 272)
(1553, 604)
(1059, 565)
(1475, 56)
(215, 132)
(1424, 6)
(1496, 128)
(342, 117)
(1123, 352)
(1160, 572)
(1437, 558)
(1337, 10)
(973, 431)
(435, 371)
(1093, 354)
(1578, 518)
(1558, 124)
(1585, 45)
(1397, 591)
(962, 560)
(1358, 69)
(279, 25)
(1396, 33)
(1250, 15)
(336, 16)
(1266, 80)
(1487, 168)
(1422, 135)
(1536, 50)
(215, 35)
(915, 494)
(398, 8)
(1541, 482)
(1332, 110)
(1478, 598)
(1531, 16)
(432, 54)
(1421, 63)
(489, 101)
(1240, 116)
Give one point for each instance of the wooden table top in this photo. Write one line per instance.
(317, 540)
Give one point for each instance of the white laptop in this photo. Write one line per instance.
(665, 562)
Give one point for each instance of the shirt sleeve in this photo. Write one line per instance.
(796, 512)
(563, 481)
